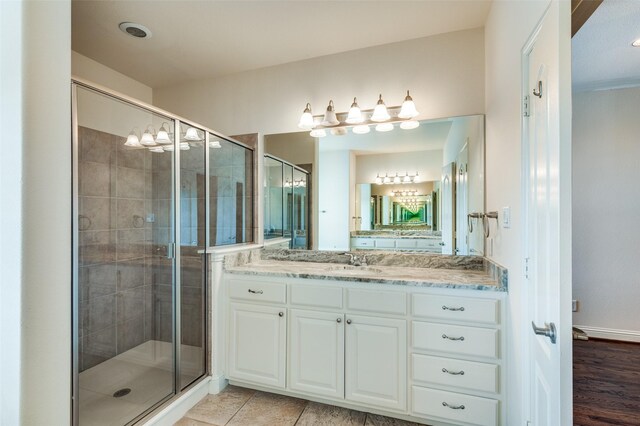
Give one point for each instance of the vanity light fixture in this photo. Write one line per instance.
(407, 178)
(306, 120)
(408, 125)
(361, 129)
(416, 178)
(386, 180)
(330, 118)
(163, 135)
(192, 134)
(397, 179)
(355, 114)
(378, 179)
(147, 137)
(380, 112)
(636, 43)
(318, 133)
(408, 109)
(384, 127)
(133, 140)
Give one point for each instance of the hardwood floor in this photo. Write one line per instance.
(606, 383)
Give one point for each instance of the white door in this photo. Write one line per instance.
(257, 344)
(376, 361)
(317, 353)
(462, 202)
(448, 208)
(547, 175)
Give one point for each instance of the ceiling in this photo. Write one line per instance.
(431, 135)
(602, 55)
(204, 39)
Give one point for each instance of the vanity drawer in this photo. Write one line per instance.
(385, 243)
(385, 302)
(455, 339)
(316, 295)
(258, 291)
(362, 242)
(449, 405)
(456, 308)
(427, 243)
(476, 376)
(405, 243)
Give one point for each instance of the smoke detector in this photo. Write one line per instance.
(135, 30)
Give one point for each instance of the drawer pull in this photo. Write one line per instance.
(453, 407)
(461, 338)
(255, 291)
(453, 373)
(339, 320)
(281, 314)
(448, 308)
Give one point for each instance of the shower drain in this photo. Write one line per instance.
(122, 392)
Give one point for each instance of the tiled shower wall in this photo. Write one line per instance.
(115, 277)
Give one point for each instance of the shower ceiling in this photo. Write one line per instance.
(201, 39)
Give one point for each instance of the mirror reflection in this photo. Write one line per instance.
(400, 190)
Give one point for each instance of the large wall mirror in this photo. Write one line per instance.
(399, 190)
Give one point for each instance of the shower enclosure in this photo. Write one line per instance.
(151, 193)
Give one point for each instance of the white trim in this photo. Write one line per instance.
(594, 86)
(217, 384)
(170, 414)
(611, 333)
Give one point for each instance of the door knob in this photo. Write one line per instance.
(348, 321)
(548, 330)
(339, 320)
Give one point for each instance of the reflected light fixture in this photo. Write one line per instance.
(380, 112)
(147, 137)
(215, 144)
(306, 120)
(330, 118)
(184, 146)
(378, 180)
(408, 109)
(636, 43)
(386, 179)
(168, 148)
(163, 135)
(397, 179)
(156, 149)
(133, 140)
(339, 131)
(408, 125)
(416, 178)
(355, 114)
(361, 129)
(407, 178)
(317, 133)
(384, 127)
(192, 134)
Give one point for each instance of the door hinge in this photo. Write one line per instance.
(526, 267)
(525, 106)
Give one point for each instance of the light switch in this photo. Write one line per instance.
(506, 217)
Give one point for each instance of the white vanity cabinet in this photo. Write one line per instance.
(431, 245)
(430, 355)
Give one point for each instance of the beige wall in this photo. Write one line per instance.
(88, 69)
(445, 74)
(296, 148)
(606, 202)
(428, 164)
(35, 183)
(508, 27)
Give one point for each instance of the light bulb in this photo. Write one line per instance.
(317, 133)
(408, 109)
(147, 137)
(380, 112)
(386, 179)
(384, 127)
(132, 140)
(355, 115)
(163, 135)
(396, 179)
(408, 125)
(192, 134)
(330, 118)
(306, 120)
(362, 129)
(378, 180)
(407, 178)
(416, 179)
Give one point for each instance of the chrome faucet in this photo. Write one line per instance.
(355, 260)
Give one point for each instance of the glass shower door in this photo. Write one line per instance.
(300, 211)
(124, 241)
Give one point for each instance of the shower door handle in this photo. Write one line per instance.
(171, 251)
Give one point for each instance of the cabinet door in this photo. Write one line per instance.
(376, 361)
(317, 353)
(257, 344)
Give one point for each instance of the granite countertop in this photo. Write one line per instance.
(455, 274)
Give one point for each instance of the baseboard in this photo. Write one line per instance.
(611, 333)
(217, 384)
(170, 414)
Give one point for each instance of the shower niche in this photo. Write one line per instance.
(151, 193)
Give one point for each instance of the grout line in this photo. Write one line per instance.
(241, 407)
(306, 405)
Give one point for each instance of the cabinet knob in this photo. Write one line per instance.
(348, 321)
(339, 320)
(280, 314)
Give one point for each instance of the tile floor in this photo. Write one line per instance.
(145, 369)
(237, 406)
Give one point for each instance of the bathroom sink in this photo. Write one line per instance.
(355, 270)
